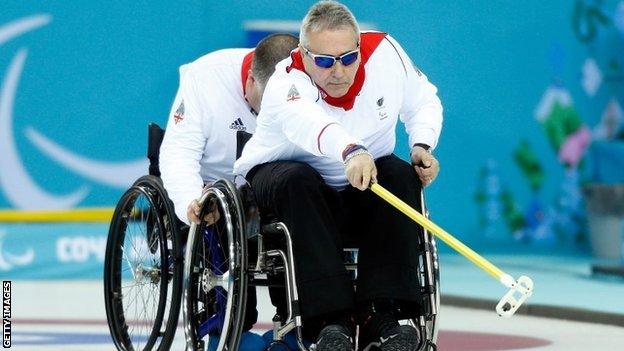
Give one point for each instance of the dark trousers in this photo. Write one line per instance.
(323, 221)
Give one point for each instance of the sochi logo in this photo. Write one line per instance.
(80, 249)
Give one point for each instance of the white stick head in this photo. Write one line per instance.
(521, 290)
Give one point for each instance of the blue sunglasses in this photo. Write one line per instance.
(327, 61)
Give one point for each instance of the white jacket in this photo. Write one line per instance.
(200, 140)
(297, 123)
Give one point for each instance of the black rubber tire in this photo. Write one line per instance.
(199, 300)
(141, 255)
(429, 329)
(428, 324)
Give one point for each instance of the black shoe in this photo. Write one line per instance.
(335, 337)
(383, 332)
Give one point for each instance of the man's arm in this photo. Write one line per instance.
(183, 146)
(290, 102)
(290, 105)
(421, 113)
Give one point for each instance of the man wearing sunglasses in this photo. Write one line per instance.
(325, 132)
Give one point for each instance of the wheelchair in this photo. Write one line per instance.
(218, 268)
(149, 274)
(143, 263)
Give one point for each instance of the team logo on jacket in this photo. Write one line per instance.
(381, 109)
(178, 116)
(238, 125)
(293, 94)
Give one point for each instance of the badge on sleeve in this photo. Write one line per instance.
(178, 116)
(293, 94)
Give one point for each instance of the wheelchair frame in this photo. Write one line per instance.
(254, 273)
(242, 222)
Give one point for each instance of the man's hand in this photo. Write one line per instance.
(425, 165)
(361, 171)
(193, 209)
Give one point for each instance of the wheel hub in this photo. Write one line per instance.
(142, 274)
(209, 280)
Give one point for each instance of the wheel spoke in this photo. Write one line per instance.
(214, 288)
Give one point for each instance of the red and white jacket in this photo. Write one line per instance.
(297, 121)
(200, 139)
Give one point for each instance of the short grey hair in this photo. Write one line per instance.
(327, 15)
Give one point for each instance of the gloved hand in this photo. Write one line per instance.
(361, 170)
(426, 166)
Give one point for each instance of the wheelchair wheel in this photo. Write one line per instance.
(215, 281)
(428, 322)
(143, 269)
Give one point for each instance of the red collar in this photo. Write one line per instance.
(368, 43)
(245, 67)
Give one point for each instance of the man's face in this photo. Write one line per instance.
(337, 79)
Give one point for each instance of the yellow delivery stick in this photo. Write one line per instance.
(524, 285)
(439, 232)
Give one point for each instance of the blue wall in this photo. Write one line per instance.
(94, 74)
